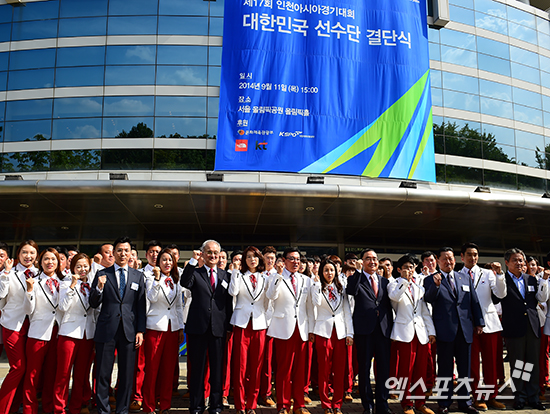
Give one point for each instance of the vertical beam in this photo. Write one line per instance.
(441, 13)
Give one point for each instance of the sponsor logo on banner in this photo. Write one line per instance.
(241, 145)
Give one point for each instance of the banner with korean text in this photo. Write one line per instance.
(326, 86)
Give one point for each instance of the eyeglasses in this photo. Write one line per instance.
(292, 259)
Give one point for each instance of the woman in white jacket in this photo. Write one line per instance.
(76, 338)
(41, 304)
(332, 332)
(14, 320)
(164, 332)
(250, 325)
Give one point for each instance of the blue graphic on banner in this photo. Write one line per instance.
(319, 86)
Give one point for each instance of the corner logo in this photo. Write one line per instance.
(522, 370)
(241, 145)
(261, 146)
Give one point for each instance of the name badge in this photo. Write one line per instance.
(134, 286)
(531, 288)
(224, 284)
(465, 288)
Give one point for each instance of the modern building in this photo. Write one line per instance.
(108, 113)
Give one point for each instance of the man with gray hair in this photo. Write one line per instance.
(207, 324)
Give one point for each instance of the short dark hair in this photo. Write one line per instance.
(408, 258)
(291, 250)
(531, 258)
(120, 240)
(100, 248)
(547, 259)
(73, 249)
(384, 259)
(444, 250)
(365, 251)
(173, 246)
(269, 249)
(4, 246)
(62, 250)
(153, 243)
(508, 253)
(235, 253)
(467, 246)
(350, 256)
(426, 254)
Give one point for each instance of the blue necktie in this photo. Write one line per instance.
(122, 281)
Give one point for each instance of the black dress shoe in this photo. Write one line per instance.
(537, 406)
(368, 411)
(443, 410)
(518, 405)
(469, 409)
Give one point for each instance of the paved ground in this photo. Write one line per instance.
(180, 405)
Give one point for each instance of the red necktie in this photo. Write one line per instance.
(169, 282)
(293, 280)
(28, 274)
(85, 288)
(331, 295)
(471, 274)
(411, 292)
(52, 284)
(212, 280)
(253, 280)
(374, 285)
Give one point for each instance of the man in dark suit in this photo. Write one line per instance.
(372, 324)
(521, 328)
(120, 290)
(457, 317)
(207, 323)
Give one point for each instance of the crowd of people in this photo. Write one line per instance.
(311, 323)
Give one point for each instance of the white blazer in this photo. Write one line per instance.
(251, 303)
(486, 282)
(269, 312)
(290, 309)
(41, 306)
(329, 315)
(79, 317)
(165, 305)
(412, 314)
(13, 289)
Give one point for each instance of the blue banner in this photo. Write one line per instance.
(318, 86)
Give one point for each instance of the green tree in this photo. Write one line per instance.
(141, 130)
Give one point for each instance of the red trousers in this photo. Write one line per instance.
(265, 381)
(413, 360)
(226, 386)
(291, 368)
(248, 356)
(41, 355)
(139, 374)
(73, 355)
(15, 344)
(499, 358)
(161, 356)
(351, 367)
(331, 358)
(485, 343)
(543, 360)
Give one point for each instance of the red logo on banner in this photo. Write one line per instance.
(241, 145)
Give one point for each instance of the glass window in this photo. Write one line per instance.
(524, 57)
(499, 179)
(492, 23)
(214, 75)
(496, 152)
(32, 59)
(526, 183)
(433, 35)
(146, 25)
(75, 160)
(84, 76)
(30, 79)
(216, 8)
(527, 98)
(526, 157)
(525, 73)
(544, 41)
(547, 120)
(5, 32)
(26, 161)
(492, 47)
(127, 159)
(212, 127)
(125, 7)
(77, 107)
(528, 140)
(546, 103)
(180, 127)
(216, 26)
(129, 105)
(180, 106)
(463, 3)
(544, 63)
(522, 33)
(435, 78)
(215, 56)
(435, 53)
(458, 39)
(34, 30)
(181, 75)
(130, 55)
(460, 83)
(461, 101)
(130, 75)
(491, 7)
(496, 108)
(521, 17)
(182, 55)
(495, 90)
(89, 26)
(2, 111)
(81, 56)
(463, 127)
(173, 25)
(4, 61)
(39, 10)
(3, 81)
(71, 8)
(127, 128)
(460, 15)
(543, 25)
(463, 175)
(528, 115)
(28, 130)
(545, 79)
(493, 64)
(6, 13)
(192, 7)
(29, 109)
(213, 107)
(76, 128)
(458, 56)
(180, 159)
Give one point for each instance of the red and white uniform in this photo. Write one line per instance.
(250, 324)
(265, 381)
(290, 326)
(333, 324)
(164, 321)
(411, 330)
(75, 347)
(41, 306)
